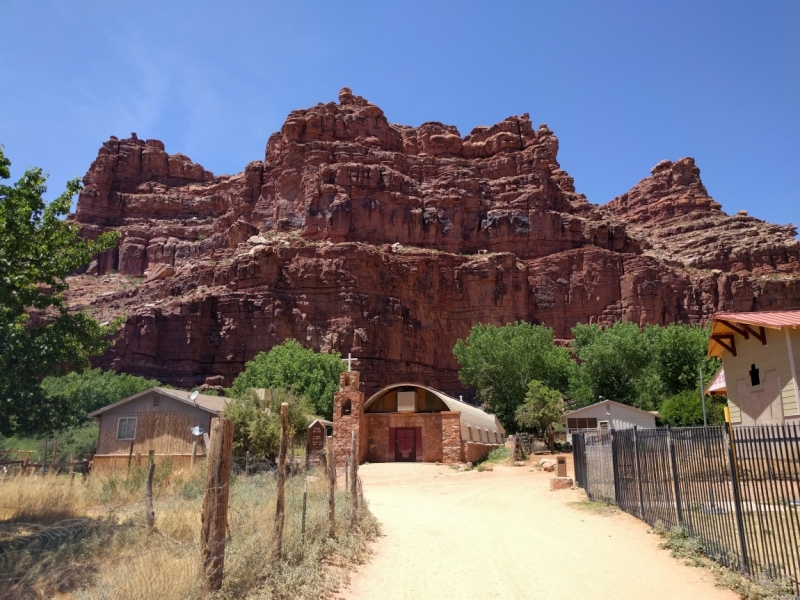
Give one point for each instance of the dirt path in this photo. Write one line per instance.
(503, 534)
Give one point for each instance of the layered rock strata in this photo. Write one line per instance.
(391, 242)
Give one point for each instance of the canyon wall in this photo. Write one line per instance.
(357, 235)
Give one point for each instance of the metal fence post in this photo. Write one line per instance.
(737, 501)
(638, 471)
(676, 486)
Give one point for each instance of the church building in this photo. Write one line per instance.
(410, 422)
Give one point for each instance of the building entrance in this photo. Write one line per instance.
(405, 446)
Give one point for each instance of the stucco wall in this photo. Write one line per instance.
(772, 357)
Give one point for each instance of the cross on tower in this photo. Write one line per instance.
(350, 360)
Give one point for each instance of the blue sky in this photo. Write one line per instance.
(622, 84)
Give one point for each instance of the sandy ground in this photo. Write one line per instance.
(503, 534)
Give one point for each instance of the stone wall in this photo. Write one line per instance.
(344, 425)
(379, 448)
(475, 452)
(451, 437)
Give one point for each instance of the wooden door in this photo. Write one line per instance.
(405, 448)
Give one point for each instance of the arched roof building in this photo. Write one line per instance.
(411, 422)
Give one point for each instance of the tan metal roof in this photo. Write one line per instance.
(717, 385)
(725, 325)
(213, 404)
(471, 416)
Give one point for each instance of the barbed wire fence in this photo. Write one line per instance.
(57, 538)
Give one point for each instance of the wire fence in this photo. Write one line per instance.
(735, 490)
(90, 538)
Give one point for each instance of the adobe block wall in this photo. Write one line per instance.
(475, 451)
(378, 445)
(451, 437)
(344, 425)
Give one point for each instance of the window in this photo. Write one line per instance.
(156, 400)
(126, 428)
(347, 408)
(578, 423)
(755, 377)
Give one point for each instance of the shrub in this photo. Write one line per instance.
(257, 425)
(292, 367)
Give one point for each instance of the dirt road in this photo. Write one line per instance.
(503, 534)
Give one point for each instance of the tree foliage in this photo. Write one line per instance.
(543, 408)
(500, 362)
(257, 424)
(89, 390)
(685, 409)
(290, 366)
(635, 366)
(38, 336)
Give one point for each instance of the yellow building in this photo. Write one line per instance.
(759, 352)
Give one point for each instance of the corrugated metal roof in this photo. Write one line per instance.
(471, 416)
(776, 319)
(213, 404)
(717, 385)
(625, 406)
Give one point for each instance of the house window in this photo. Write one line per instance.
(347, 408)
(156, 400)
(755, 377)
(126, 428)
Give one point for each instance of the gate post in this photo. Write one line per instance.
(614, 468)
(737, 501)
(637, 467)
(676, 486)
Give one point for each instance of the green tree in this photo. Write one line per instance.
(257, 424)
(685, 409)
(501, 361)
(290, 366)
(679, 352)
(612, 358)
(38, 335)
(92, 389)
(636, 366)
(543, 408)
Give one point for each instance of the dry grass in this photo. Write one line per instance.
(89, 541)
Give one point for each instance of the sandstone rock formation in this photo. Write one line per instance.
(391, 242)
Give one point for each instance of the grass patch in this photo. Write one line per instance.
(595, 507)
(499, 455)
(90, 541)
(681, 545)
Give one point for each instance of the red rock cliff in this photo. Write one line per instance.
(391, 242)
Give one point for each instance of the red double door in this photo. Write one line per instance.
(405, 445)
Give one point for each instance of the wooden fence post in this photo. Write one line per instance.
(353, 476)
(280, 505)
(331, 460)
(53, 462)
(215, 501)
(148, 498)
(71, 468)
(638, 471)
(247, 464)
(305, 500)
(194, 454)
(291, 452)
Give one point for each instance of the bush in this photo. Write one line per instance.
(257, 425)
(292, 367)
(686, 410)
